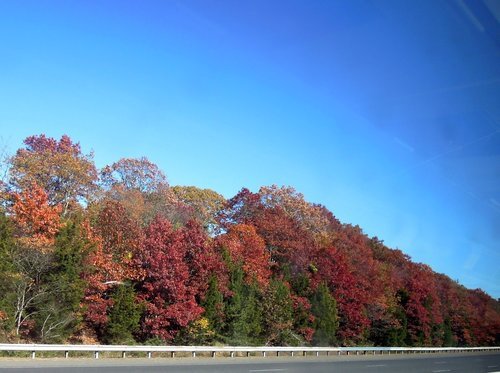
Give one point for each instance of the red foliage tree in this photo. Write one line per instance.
(167, 288)
(332, 267)
(288, 244)
(423, 306)
(247, 247)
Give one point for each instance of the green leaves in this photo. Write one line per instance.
(124, 316)
(324, 309)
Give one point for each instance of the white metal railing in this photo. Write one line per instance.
(232, 350)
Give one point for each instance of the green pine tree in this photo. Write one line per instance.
(124, 316)
(59, 315)
(7, 298)
(278, 315)
(214, 307)
(324, 309)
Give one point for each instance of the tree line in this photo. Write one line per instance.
(118, 255)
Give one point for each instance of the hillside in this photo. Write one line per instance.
(118, 255)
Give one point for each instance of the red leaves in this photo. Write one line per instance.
(423, 307)
(275, 235)
(246, 246)
(167, 288)
(334, 269)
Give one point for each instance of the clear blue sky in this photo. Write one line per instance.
(387, 112)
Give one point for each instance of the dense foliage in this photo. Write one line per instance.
(119, 256)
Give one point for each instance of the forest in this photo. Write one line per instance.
(118, 256)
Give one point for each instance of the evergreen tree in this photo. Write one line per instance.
(448, 340)
(234, 305)
(243, 312)
(7, 298)
(250, 323)
(324, 309)
(59, 314)
(278, 314)
(124, 316)
(214, 307)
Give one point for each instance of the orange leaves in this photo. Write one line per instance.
(37, 221)
(246, 246)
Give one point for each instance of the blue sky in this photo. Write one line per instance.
(387, 112)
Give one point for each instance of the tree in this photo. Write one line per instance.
(124, 316)
(244, 325)
(277, 314)
(121, 239)
(62, 311)
(331, 266)
(324, 309)
(142, 188)
(290, 246)
(115, 258)
(213, 304)
(423, 306)
(245, 246)
(37, 222)
(313, 218)
(169, 298)
(7, 275)
(58, 167)
(205, 203)
(134, 174)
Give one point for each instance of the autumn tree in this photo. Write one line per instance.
(423, 306)
(58, 166)
(142, 188)
(115, 258)
(206, 204)
(37, 222)
(245, 246)
(132, 173)
(169, 298)
(313, 218)
(289, 245)
(332, 267)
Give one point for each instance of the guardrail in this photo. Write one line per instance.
(232, 350)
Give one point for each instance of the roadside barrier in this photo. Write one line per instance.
(232, 351)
